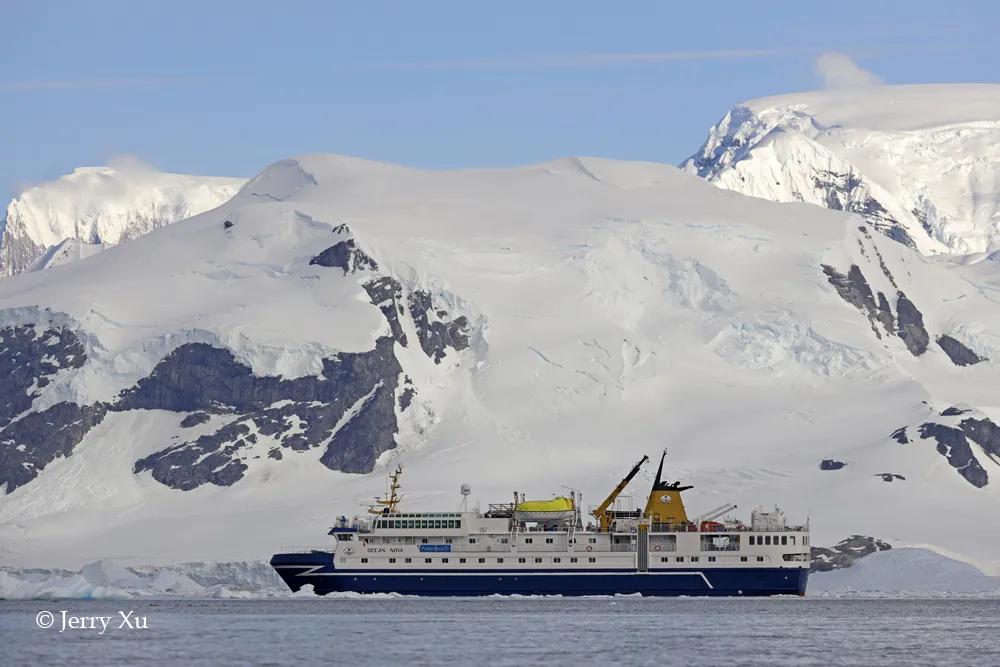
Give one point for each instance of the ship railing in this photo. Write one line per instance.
(623, 547)
(297, 550)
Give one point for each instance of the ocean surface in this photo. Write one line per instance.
(505, 631)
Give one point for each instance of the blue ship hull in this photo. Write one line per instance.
(317, 569)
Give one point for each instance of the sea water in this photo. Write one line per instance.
(361, 631)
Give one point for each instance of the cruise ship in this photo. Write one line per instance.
(543, 547)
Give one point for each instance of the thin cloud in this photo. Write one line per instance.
(589, 59)
(87, 84)
(838, 70)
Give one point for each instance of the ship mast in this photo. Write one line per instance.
(389, 504)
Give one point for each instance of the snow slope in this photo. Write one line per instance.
(906, 570)
(519, 328)
(96, 207)
(921, 163)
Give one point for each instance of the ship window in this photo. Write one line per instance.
(427, 560)
(680, 559)
(482, 560)
(437, 523)
(663, 559)
(444, 560)
(572, 560)
(711, 559)
(461, 560)
(592, 560)
(538, 560)
(364, 560)
(548, 540)
(447, 540)
(743, 559)
(760, 559)
(791, 540)
(503, 540)
(557, 560)
(522, 560)
(805, 540)
(392, 560)
(592, 540)
(694, 559)
(767, 540)
(409, 524)
(423, 540)
(499, 560)
(753, 540)
(527, 540)
(409, 560)
(784, 540)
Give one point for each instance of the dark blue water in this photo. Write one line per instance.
(516, 632)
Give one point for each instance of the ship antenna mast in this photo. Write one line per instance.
(390, 504)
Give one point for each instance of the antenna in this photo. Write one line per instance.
(466, 491)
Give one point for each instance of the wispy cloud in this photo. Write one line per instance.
(588, 59)
(840, 71)
(86, 84)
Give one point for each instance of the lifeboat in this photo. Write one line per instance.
(557, 509)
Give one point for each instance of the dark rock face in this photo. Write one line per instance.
(953, 412)
(911, 325)
(984, 433)
(358, 387)
(907, 323)
(30, 359)
(387, 294)
(847, 192)
(954, 446)
(437, 335)
(959, 354)
(890, 477)
(347, 256)
(831, 464)
(845, 553)
(32, 442)
(194, 419)
(899, 435)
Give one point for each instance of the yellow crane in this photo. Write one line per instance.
(602, 513)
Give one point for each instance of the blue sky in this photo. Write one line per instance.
(225, 88)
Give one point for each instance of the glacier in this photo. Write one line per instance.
(224, 386)
(918, 162)
(97, 207)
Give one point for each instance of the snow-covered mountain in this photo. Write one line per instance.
(97, 207)
(920, 163)
(226, 384)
